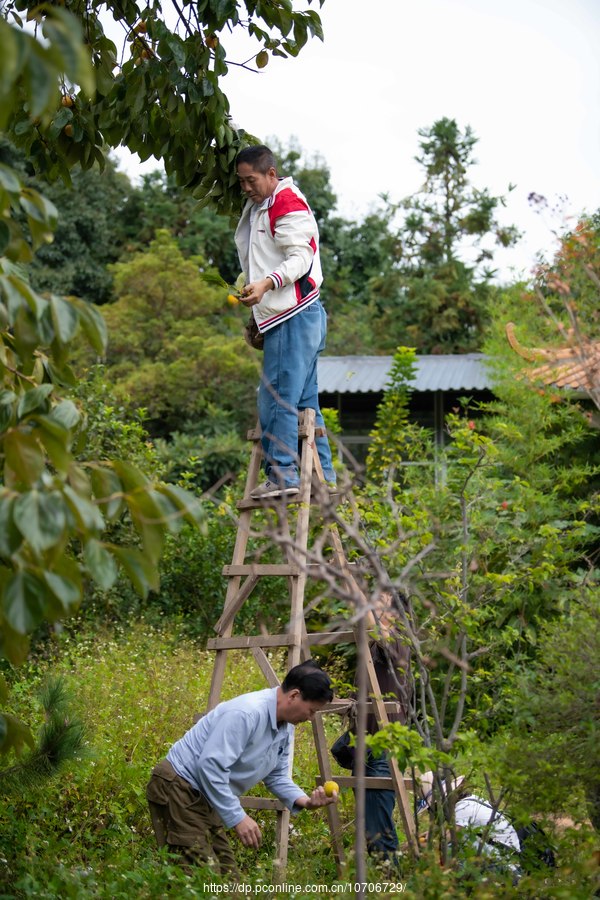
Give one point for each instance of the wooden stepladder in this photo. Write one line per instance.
(243, 576)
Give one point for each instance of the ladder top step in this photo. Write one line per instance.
(254, 434)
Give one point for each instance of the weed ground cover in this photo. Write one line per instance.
(86, 833)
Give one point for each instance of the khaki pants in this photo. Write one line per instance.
(184, 820)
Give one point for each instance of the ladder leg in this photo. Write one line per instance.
(233, 587)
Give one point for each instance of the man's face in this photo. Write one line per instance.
(297, 709)
(256, 186)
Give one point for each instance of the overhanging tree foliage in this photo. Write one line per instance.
(157, 92)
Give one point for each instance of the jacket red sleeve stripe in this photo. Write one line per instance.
(285, 202)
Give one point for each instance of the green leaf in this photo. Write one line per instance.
(56, 440)
(177, 48)
(142, 573)
(214, 278)
(188, 505)
(41, 518)
(130, 476)
(10, 537)
(24, 602)
(63, 117)
(11, 62)
(13, 647)
(14, 734)
(67, 592)
(148, 518)
(100, 563)
(65, 414)
(64, 31)
(108, 491)
(39, 207)
(8, 401)
(88, 515)
(34, 399)
(24, 457)
(4, 237)
(9, 179)
(64, 318)
(17, 290)
(92, 324)
(40, 80)
(62, 376)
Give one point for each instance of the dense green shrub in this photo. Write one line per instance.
(556, 711)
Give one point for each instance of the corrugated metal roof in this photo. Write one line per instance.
(362, 374)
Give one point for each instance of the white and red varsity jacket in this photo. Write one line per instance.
(281, 242)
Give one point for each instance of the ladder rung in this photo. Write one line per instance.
(244, 642)
(382, 783)
(341, 706)
(254, 434)
(292, 500)
(331, 637)
(262, 803)
(261, 569)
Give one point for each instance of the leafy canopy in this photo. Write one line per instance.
(158, 92)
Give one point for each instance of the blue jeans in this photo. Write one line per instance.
(289, 385)
(382, 838)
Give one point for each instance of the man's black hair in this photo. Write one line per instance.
(310, 679)
(260, 158)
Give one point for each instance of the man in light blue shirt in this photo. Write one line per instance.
(195, 791)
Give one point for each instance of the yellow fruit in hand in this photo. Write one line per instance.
(331, 788)
(232, 299)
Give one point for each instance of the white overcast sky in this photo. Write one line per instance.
(524, 74)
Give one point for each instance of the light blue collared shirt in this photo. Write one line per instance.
(232, 748)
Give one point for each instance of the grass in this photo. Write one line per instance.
(86, 833)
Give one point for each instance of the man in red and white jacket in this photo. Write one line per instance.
(278, 245)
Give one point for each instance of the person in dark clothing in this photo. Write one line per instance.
(391, 659)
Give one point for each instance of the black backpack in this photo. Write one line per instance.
(536, 850)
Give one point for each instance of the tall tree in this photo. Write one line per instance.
(159, 203)
(175, 344)
(438, 296)
(88, 236)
